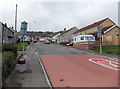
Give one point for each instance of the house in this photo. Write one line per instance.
(16, 35)
(111, 36)
(54, 38)
(7, 34)
(66, 36)
(93, 28)
(26, 38)
(0, 33)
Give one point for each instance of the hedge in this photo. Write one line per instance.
(9, 56)
(8, 64)
(11, 48)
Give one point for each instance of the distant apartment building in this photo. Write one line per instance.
(7, 34)
(66, 36)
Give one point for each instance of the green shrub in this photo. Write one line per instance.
(10, 47)
(20, 46)
(8, 63)
(9, 56)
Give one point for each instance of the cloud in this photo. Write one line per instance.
(55, 16)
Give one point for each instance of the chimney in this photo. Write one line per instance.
(64, 29)
(6, 24)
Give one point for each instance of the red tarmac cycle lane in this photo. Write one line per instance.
(81, 70)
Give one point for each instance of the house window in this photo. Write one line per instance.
(82, 38)
(118, 35)
(75, 39)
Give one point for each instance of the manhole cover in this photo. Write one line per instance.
(61, 80)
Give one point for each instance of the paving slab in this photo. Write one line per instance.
(33, 75)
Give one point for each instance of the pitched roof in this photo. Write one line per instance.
(68, 30)
(103, 30)
(90, 26)
(111, 28)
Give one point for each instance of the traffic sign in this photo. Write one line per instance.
(23, 30)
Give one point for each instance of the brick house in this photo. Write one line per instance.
(93, 28)
(110, 35)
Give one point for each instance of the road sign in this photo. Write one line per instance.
(23, 30)
(99, 34)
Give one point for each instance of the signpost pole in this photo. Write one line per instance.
(100, 38)
(23, 32)
(100, 45)
(23, 44)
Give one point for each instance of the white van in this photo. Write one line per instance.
(82, 38)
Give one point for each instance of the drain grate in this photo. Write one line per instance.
(61, 80)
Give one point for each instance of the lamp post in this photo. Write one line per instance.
(15, 24)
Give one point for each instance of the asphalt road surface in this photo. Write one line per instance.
(52, 49)
(67, 67)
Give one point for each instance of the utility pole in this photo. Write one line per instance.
(16, 18)
(15, 24)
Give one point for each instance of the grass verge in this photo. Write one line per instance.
(20, 46)
(108, 49)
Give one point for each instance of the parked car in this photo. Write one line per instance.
(35, 41)
(41, 40)
(70, 44)
(46, 41)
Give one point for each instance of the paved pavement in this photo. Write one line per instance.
(33, 77)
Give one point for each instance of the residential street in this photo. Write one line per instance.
(64, 67)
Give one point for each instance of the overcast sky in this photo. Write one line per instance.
(55, 16)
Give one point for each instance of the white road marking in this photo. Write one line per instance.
(110, 64)
(47, 79)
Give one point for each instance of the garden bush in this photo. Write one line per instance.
(8, 63)
(10, 47)
(9, 56)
